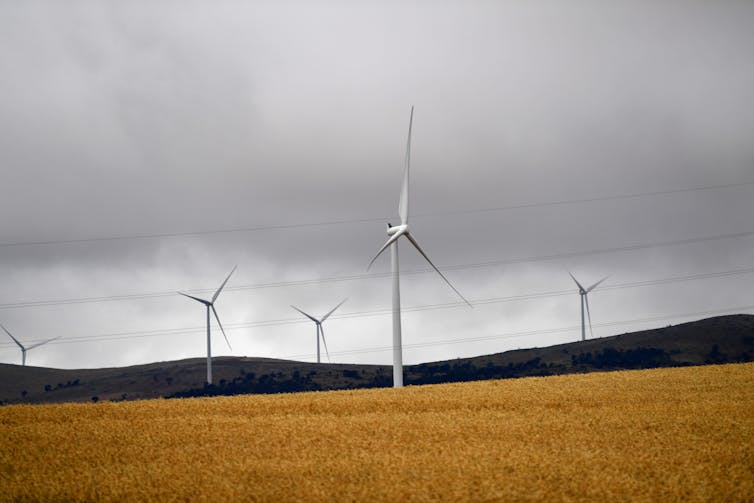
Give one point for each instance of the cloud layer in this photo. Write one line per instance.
(184, 117)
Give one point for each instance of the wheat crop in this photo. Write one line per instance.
(665, 434)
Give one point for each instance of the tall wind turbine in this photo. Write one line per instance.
(210, 304)
(584, 292)
(395, 233)
(24, 349)
(320, 330)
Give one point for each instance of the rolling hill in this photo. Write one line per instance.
(724, 339)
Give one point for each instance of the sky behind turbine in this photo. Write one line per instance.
(288, 120)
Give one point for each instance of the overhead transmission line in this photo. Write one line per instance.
(562, 202)
(381, 312)
(353, 277)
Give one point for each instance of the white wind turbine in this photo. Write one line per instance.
(210, 304)
(320, 330)
(395, 233)
(584, 292)
(24, 349)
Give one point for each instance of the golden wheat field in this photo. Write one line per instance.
(669, 434)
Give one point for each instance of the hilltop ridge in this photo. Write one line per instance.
(723, 339)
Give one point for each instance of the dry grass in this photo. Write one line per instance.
(659, 435)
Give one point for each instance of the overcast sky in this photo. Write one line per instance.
(284, 123)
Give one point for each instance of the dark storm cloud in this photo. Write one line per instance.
(124, 120)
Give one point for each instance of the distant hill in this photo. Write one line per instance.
(724, 339)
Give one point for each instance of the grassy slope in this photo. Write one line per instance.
(660, 435)
(688, 343)
(149, 381)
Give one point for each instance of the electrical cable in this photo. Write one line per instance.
(353, 277)
(382, 312)
(563, 202)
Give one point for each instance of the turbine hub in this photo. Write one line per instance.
(396, 229)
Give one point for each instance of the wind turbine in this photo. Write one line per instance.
(584, 292)
(395, 233)
(320, 330)
(24, 349)
(210, 304)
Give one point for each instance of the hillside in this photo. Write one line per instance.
(161, 379)
(674, 434)
(722, 339)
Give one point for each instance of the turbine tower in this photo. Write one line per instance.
(320, 330)
(584, 292)
(24, 349)
(210, 304)
(395, 234)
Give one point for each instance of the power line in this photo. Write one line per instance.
(353, 277)
(565, 202)
(382, 312)
(372, 219)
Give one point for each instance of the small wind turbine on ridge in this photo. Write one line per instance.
(320, 330)
(584, 292)
(395, 233)
(24, 349)
(210, 304)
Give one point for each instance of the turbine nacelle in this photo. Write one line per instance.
(396, 229)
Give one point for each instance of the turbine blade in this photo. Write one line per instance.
(14, 339)
(315, 320)
(214, 297)
(333, 310)
(41, 343)
(390, 241)
(581, 288)
(586, 299)
(413, 241)
(324, 342)
(205, 302)
(403, 203)
(221, 327)
(595, 285)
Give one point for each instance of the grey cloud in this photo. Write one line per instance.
(127, 119)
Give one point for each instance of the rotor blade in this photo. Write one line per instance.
(324, 342)
(333, 310)
(595, 285)
(221, 327)
(576, 281)
(14, 339)
(413, 241)
(403, 203)
(214, 297)
(390, 241)
(315, 320)
(586, 299)
(40, 343)
(205, 302)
